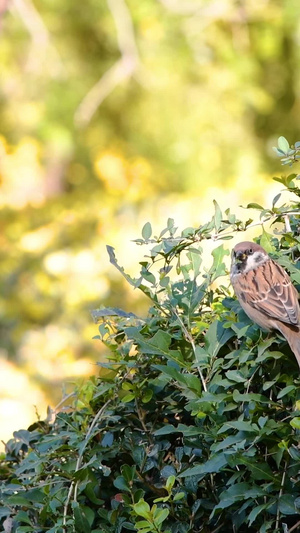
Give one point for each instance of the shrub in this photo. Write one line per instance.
(193, 424)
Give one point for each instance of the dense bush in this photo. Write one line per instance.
(193, 424)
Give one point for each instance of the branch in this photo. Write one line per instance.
(73, 487)
(190, 339)
(122, 70)
(41, 42)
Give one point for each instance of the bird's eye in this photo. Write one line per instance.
(250, 251)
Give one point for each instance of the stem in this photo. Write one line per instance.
(73, 487)
(192, 342)
(140, 416)
(64, 399)
(280, 494)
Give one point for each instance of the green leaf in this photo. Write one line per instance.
(295, 422)
(144, 525)
(147, 231)
(128, 398)
(168, 429)
(170, 482)
(107, 439)
(258, 470)
(285, 391)
(287, 504)
(81, 523)
(218, 216)
(142, 508)
(5, 511)
(266, 242)
(160, 515)
(239, 329)
(113, 260)
(235, 375)
(216, 337)
(283, 144)
(171, 372)
(157, 345)
(170, 223)
(128, 472)
(278, 152)
(232, 440)
(253, 205)
(178, 496)
(250, 397)
(213, 465)
(232, 495)
(218, 268)
(275, 199)
(22, 516)
(255, 512)
(164, 282)
(147, 395)
(121, 483)
(240, 425)
(196, 261)
(110, 311)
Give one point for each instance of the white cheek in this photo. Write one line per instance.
(253, 261)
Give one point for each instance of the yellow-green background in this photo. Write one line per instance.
(114, 113)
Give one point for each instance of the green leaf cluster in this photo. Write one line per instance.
(193, 424)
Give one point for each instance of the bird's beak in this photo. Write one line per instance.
(240, 257)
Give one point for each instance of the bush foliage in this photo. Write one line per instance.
(193, 424)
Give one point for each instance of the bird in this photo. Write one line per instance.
(265, 292)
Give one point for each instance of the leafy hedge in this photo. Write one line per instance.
(193, 424)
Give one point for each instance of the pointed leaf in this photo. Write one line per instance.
(147, 231)
(218, 216)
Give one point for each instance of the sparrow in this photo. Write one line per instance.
(265, 292)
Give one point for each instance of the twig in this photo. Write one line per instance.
(63, 400)
(217, 236)
(192, 342)
(287, 223)
(86, 440)
(122, 70)
(53, 412)
(218, 527)
(280, 494)
(73, 486)
(140, 416)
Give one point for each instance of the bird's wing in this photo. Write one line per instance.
(268, 289)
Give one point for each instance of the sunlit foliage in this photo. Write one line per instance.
(193, 424)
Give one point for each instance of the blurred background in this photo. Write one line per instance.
(114, 113)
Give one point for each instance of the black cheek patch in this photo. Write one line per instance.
(241, 267)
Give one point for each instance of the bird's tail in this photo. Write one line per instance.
(292, 335)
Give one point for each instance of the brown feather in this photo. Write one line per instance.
(270, 290)
(266, 293)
